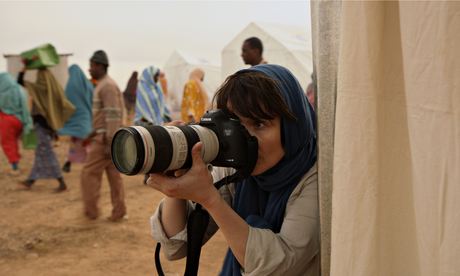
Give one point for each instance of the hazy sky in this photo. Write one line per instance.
(136, 34)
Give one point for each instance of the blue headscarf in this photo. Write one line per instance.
(261, 200)
(150, 103)
(79, 91)
(13, 101)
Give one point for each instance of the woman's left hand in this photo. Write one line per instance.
(196, 184)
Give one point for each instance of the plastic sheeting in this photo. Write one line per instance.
(396, 177)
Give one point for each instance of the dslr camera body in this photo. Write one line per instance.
(152, 149)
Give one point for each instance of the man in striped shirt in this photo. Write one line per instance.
(107, 118)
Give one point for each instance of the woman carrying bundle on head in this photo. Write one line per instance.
(50, 110)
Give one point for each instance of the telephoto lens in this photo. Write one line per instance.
(151, 149)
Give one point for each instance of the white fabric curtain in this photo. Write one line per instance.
(325, 16)
(396, 148)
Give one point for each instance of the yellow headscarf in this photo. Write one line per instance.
(195, 100)
(49, 99)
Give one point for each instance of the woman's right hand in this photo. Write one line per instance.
(196, 184)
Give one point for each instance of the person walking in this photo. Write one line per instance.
(107, 118)
(195, 99)
(79, 91)
(50, 110)
(151, 108)
(150, 102)
(15, 119)
(129, 96)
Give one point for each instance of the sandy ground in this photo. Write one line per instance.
(45, 233)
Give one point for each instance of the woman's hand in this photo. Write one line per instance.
(175, 123)
(196, 184)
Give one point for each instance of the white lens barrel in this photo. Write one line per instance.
(149, 149)
(210, 142)
(152, 145)
(180, 147)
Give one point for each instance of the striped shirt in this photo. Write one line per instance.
(107, 108)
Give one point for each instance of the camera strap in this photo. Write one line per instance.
(237, 176)
(196, 228)
(197, 223)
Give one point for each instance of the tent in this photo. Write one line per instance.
(289, 46)
(177, 69)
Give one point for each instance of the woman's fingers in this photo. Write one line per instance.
(196, 154)
(175, 123)
(179, 173)
(193, 184)
(165, 184)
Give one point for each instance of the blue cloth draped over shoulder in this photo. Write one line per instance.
(13, 101)
(150, 102)
(261, 200)
(79, 91)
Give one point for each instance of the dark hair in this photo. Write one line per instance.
(253, 95)
(255, 43)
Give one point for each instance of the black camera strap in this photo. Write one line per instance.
(197, 223)
(157, 260)
(196, 228)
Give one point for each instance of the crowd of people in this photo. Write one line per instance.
(270, 219)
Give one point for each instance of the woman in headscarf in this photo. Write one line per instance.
(150, 103)
(79, 91)
(50, 110)
(14, 119)
(270, 219)
(195, 99)
(129, 96)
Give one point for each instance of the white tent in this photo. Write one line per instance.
(289, 46)
(177, 69)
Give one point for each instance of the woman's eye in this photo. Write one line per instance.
(259, 124)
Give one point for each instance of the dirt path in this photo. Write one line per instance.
(44, 233)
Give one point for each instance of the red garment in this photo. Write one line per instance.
(10, 131)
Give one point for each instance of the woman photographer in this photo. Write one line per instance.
(270, 220)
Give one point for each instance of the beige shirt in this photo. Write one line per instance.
(292, 251)
(107, 108)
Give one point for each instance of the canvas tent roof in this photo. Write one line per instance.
(289, 46)
(177, 69)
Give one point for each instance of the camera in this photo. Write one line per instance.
(153, 148)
